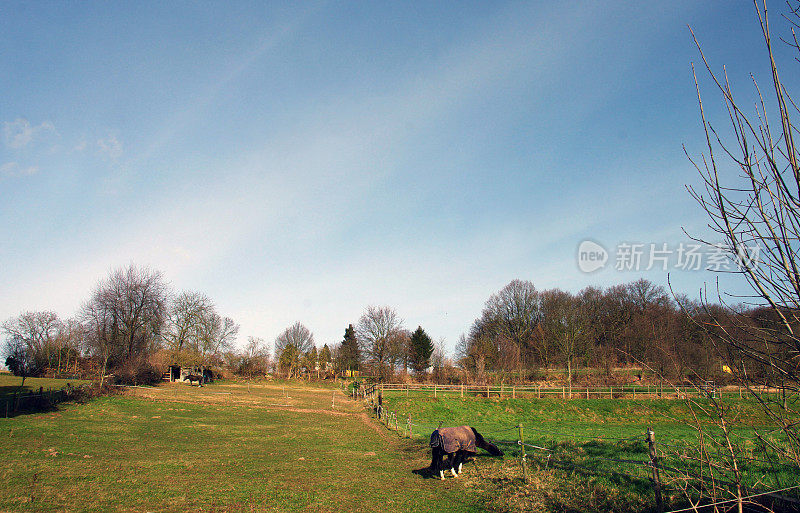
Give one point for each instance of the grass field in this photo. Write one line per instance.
(289, 446)
(217, 448)
(590, 437)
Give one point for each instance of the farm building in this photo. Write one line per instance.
(181, 373)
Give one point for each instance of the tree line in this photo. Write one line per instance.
(133, 325)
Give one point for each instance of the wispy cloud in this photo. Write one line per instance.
(13, 169)
(20, 133)
(110, 146)
(81, 145)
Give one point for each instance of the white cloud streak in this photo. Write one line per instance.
(110, 147)
(20, 133)
(13, 169)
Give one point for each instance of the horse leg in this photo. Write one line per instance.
(436, 462)
(451, 462)
(458, 457)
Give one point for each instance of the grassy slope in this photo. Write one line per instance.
(219, 448)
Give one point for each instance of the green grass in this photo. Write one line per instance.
(216, 448)
(299, 446)
(584, 435)
(10, 384)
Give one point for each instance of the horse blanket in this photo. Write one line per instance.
(453, 439)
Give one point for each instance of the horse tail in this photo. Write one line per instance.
(487, 446)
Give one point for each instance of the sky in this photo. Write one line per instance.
(299, 161)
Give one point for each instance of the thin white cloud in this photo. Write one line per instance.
(81, 146)
(110, 146)
(13, 169)
(20, 133)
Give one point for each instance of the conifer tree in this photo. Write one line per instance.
(421, 350)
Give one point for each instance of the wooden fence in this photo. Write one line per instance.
(541, 392)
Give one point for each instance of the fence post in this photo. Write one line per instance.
(587, 392)
(522, 454)
(409, 426)
(563, 393)
(513, 392)
(462, 390)
(434, 390)
(651, 442)
(634, 391)
(487, 391)
(611, 392)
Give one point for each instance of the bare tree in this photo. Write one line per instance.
(186, 314)
(752, 198)
(290, 346)
(196, 333)
(564, 324)
(517, 308)
(125, 315)
(378, 330)
(19, 359)
(39, 331)
(751, 194)
(255, 359)
(215, 334)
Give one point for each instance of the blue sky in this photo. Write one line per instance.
(300, 161)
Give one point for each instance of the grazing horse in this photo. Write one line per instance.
(194, 377)
(457, 443)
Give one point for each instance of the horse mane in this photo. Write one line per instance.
(483, 444)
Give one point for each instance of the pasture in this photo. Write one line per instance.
(582, 454)
(290, 446)
(222, 447)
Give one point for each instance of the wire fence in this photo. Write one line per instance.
(678, 468)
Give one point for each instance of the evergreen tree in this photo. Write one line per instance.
(325, 357)
(421, 350)
(310, 359)
(350, 353)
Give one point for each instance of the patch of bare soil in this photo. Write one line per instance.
(380, 430)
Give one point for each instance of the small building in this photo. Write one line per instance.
(178, 373)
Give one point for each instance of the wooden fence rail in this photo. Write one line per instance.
(564, 392)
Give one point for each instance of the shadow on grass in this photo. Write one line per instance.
(15, 400)
(425, 473)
